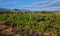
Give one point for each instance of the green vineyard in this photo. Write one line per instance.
(32, 23)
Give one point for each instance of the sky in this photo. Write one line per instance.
(31, 4)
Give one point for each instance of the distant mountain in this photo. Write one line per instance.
(24, 10)
(21, 10)
(4, 9)
(17, 10)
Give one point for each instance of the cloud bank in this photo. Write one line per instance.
(34, 5)
(43, 4)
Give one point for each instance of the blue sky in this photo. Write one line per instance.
(31, 4)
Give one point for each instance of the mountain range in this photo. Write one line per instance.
(18, 10)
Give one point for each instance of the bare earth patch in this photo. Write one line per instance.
(9, 31)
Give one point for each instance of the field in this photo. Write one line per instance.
(31, 23)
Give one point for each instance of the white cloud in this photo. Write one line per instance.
(43, 4)
(55, 3)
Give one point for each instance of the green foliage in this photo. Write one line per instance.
(32, 21)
